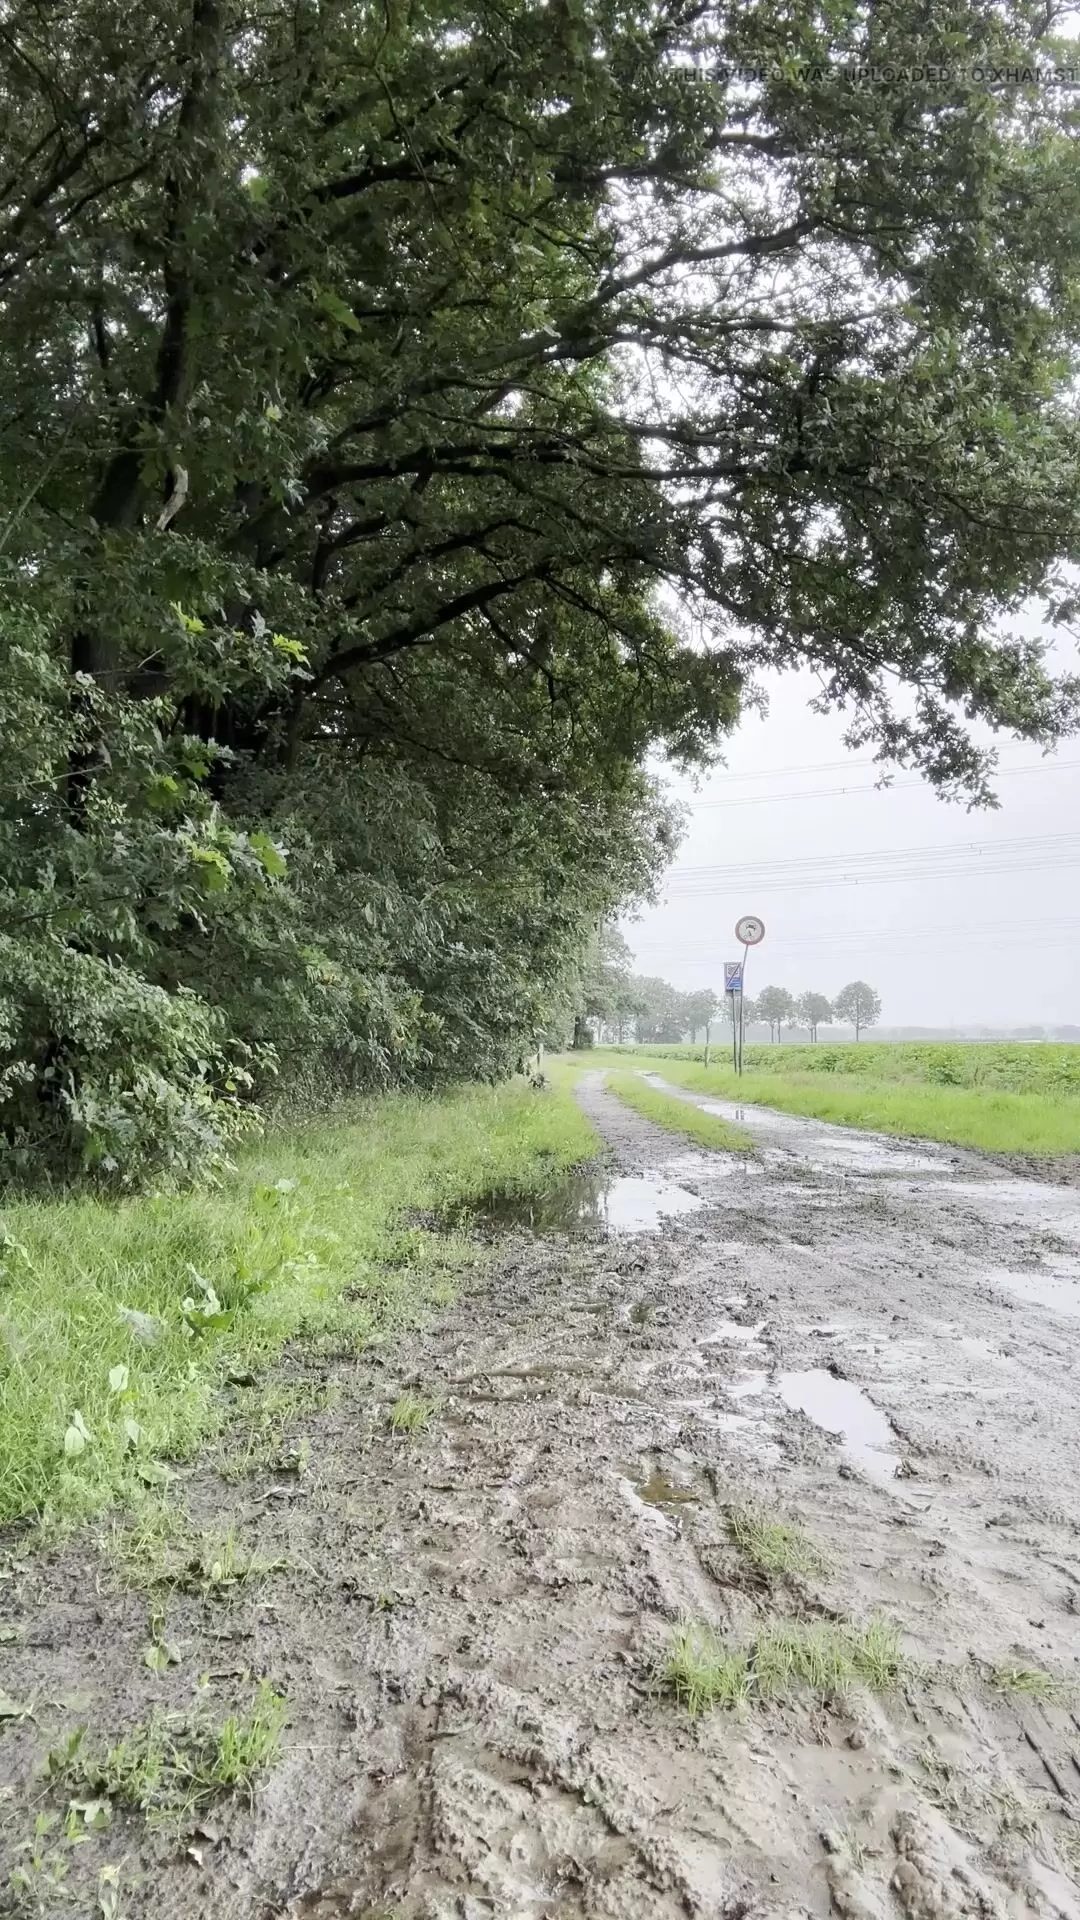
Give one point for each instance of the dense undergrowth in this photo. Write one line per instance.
(123, 1322)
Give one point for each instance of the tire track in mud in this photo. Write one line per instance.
(471, 1618)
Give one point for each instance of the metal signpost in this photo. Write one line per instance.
(733, 979)
(750, 930)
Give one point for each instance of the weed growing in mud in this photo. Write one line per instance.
(410, 1413)
(174, 1765)
(162, 1549)
(262, 1445)
(774, 1546)
(1029, 1683)
(825, 1658)
(703, 1672)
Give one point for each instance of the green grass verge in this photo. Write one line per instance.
(972, 1116)
(121, 1321)
(1006, 1066)
(677, 1116)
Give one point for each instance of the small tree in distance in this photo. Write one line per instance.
(859, 1004)
(812, 1009)
(698, 1009)
(775, 1005)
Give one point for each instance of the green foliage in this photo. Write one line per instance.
(776, 1007)
(374, 386)
(304, 1239)
(1025, 1683)
(1007, 1066)
(410, 1413)
(812, 1009)
(774, 1546)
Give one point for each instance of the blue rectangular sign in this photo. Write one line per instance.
(732, 976)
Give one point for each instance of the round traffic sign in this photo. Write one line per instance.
(750, 930)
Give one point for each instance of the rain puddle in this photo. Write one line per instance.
(748, 1385)
(1059, 1290)
(596, 1201)
(838, 1407)
(725, 1330)
(659, 1491)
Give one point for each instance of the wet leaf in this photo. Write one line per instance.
(118, 1378)
(160, 1655)
(154, 1473)
(269, 856)
(14, 1709)
(96, 1814)
(76, 1437)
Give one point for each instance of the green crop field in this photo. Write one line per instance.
(1003, 1097)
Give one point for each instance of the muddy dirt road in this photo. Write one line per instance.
(878, 1341)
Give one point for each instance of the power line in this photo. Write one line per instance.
(834, 793)
(849, 764)
(959, 860)
(855, 945)
(903, 935)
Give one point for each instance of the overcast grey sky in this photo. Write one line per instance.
(954, 917)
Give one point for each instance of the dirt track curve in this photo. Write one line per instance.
(470, 1620)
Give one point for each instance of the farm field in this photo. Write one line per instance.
(1006, 1097)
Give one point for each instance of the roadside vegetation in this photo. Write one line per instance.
(127, 1325)
(1003, 1098)
(678, 1116)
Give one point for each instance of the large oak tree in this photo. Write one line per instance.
(410, 415)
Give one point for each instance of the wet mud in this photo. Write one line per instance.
(872, 1341)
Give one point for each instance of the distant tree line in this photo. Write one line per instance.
(617, 1004)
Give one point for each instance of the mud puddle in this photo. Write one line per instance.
(1056, 1286)
(844, 1410)
(589, 1201)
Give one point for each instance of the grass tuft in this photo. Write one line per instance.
(173, 1765)
(703, 1672)
(410, 1413)
(824, 1657)
(1029, 1683)
(774, 1546)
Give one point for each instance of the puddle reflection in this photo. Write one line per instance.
(589, 1201)
(840, 1408)
(1056, 1287)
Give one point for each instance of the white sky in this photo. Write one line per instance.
(956, 918)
